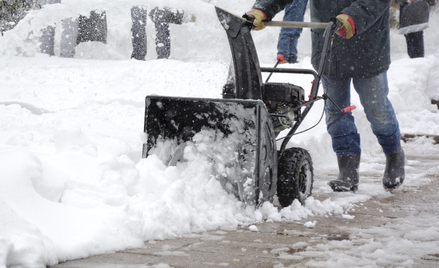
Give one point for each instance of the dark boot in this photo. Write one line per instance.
(348, 177)
(394, 173)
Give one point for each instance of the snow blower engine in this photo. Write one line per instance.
(237, 134)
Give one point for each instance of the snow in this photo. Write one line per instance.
(253, 228)
(72, 181)
(310, 224)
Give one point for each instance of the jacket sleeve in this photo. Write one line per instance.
(271, 7)
(366, 12)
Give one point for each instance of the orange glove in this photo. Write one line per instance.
(347, 30)
(259, 16)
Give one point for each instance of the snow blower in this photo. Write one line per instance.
(243, 125)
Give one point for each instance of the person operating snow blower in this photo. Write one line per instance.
(361, 55)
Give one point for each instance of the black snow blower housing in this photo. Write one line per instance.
(242, 125)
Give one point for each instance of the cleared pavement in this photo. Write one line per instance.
(286, 244)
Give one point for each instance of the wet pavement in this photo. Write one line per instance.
(286, 244)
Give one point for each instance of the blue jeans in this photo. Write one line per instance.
(379, 112)
(287, 44)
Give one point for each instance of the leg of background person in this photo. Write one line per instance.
(415, 44)
(288, 37)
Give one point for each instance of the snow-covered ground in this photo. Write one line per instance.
(72, 181)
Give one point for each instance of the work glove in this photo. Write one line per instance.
(259, 16)
(347, 28)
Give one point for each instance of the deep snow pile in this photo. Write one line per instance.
(72, 183)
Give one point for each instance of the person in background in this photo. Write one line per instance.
(360, 55)
(288, 37)
(415, 41)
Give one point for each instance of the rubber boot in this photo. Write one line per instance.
(348, 177)
(394, 173)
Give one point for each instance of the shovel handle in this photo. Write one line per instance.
(296, 24)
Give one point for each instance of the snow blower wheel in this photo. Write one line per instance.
(295, 177)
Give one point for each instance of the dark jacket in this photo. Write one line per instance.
(413, 17)
(366, 54)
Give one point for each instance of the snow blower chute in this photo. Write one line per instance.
(241, 128)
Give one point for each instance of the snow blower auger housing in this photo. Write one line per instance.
(238, 132)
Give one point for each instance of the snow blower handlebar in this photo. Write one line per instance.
(344, 110)
(296, 24)
(331, 27)
(290, 24)
(299, 24)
